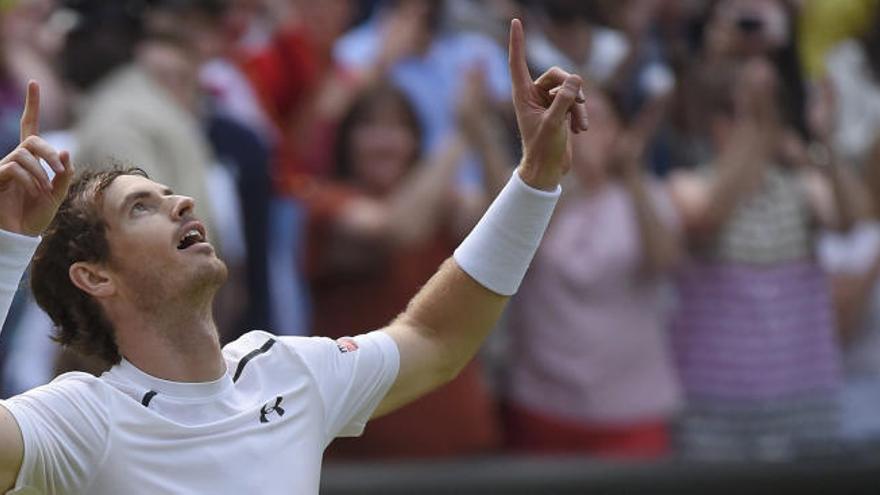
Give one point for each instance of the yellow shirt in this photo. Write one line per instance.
(824, 23)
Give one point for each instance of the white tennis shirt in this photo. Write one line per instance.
(261, 428)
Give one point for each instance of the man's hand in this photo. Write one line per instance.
(447, 321)
(28, 199)
(546, 109)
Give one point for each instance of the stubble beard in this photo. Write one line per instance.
(158, 293)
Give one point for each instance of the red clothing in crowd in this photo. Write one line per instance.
(287, 74)
(458, 418)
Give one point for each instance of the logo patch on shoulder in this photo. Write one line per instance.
(346, 344)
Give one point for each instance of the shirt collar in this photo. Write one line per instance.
(188, 390)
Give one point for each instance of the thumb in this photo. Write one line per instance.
(61, 181)
(565, 98)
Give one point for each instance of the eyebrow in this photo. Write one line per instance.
(136, 195)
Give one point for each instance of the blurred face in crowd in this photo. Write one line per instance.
(568, 11)
(174, 67)
(31, 22)
(593, 151)
(238, 18)
(748, 27)
(383, 144)
(740, 94)
(425, 15)
(159, 251)
(326, 21)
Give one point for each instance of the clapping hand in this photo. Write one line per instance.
(547, 109)
(28, 199)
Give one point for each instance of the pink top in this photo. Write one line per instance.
(588, 330)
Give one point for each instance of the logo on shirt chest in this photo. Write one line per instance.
(268, 409)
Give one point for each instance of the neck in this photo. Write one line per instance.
(178, 344)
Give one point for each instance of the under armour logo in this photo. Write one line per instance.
(264, 412)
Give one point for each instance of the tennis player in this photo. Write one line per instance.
(126, 271)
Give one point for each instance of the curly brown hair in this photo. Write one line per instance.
(77, 233)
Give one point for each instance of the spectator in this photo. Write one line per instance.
(754, 333)
(241, 141)
(389, 220)
(302, 94)
(143, 113)
(853, 260)
(301, 88)
(408, 42)
(732, 32)
(629, 62)
(573, 35)
(593, 374)
(854, 76)
(490, 17)
(822, 24)
(33, 34)
(146, 111)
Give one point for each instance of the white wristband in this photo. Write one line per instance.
(498, 251)
(16, 251)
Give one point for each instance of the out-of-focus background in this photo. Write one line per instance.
(703, 315)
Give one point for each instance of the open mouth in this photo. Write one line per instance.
(191, 236)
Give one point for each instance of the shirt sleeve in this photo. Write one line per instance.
(353, 376)
(15, 254)
(65, 429)
(850, 252)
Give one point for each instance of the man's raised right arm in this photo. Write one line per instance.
(28, 202)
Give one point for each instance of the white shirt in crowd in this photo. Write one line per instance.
(853, 253)
(262, 427)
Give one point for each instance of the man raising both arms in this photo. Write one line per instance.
(126, 273)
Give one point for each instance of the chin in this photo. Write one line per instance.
(214, 273)
(208, 275)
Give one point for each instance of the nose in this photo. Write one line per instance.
(183, 207)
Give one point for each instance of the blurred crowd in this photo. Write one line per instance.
(709, 287)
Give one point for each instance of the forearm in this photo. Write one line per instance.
(659, 247)
(15, 254)
(852, 294)
(494, 159)
(444, 324)
(416, 206)
(847, 196)
(456, 310)
(494, 156)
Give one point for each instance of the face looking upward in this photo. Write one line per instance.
(159, 252)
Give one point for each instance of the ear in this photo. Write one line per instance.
(92, 278)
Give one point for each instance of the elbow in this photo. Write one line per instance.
(447, 363)
(449, 370)
(663, 260)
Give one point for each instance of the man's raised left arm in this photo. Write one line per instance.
(447, 321)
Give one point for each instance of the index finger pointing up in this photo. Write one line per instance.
(30, 118)
(520, 77)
